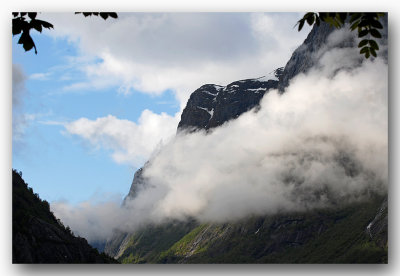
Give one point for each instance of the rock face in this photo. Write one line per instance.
(212, 105)
(138, 183)
(323, 237)
(38, 237)
(303, 58)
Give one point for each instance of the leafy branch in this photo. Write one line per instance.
(103, 15)
(24, 22)
(21, 25)
(367, 25)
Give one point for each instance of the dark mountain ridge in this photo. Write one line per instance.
(212, 105)
(39, 237)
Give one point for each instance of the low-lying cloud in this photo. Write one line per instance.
(323, 143)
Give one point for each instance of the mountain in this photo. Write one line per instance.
(212, 105)
(355, 233)
(39, 237)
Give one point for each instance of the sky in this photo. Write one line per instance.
(101, 96)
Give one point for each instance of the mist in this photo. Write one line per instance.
(321, 144)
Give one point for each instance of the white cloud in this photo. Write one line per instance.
(288, 156)
(129, 142)
(40, 76)
(322, 143)
(153, 52)
(91, 220)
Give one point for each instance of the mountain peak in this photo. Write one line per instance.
(212, 105)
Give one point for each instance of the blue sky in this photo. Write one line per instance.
(99, 96)
(55, 164)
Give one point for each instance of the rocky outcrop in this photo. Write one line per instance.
(138, 183)
(304, 57)
(38, 237)
(212, 105)
(377, 229)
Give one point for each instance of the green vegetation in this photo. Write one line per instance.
(344, 241)
(184, 246)
(146, 245)
(321, 236)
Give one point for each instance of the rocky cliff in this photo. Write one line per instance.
(356, 233)
(212, 105)
(39, 237)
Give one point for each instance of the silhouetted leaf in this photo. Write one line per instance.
(310, 19)
(104, 15)
(36, 25)
(364, 50)
(32, 15)
(27, 42)
(376, 24)
(363, 43)
(373, 44)
(17, 25)
(372, 51)
(362, 33)
(375, 33)
(45, 24)
(363, 23)
(301, 24)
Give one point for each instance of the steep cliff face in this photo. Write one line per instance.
(356, 233)
(38, 237)
(304, 57)
(212, 105)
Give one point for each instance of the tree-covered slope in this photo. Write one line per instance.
(39, 237)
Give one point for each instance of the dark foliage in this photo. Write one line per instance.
(39, 237)
(366, 23)
(103, 15)
(24, 22)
